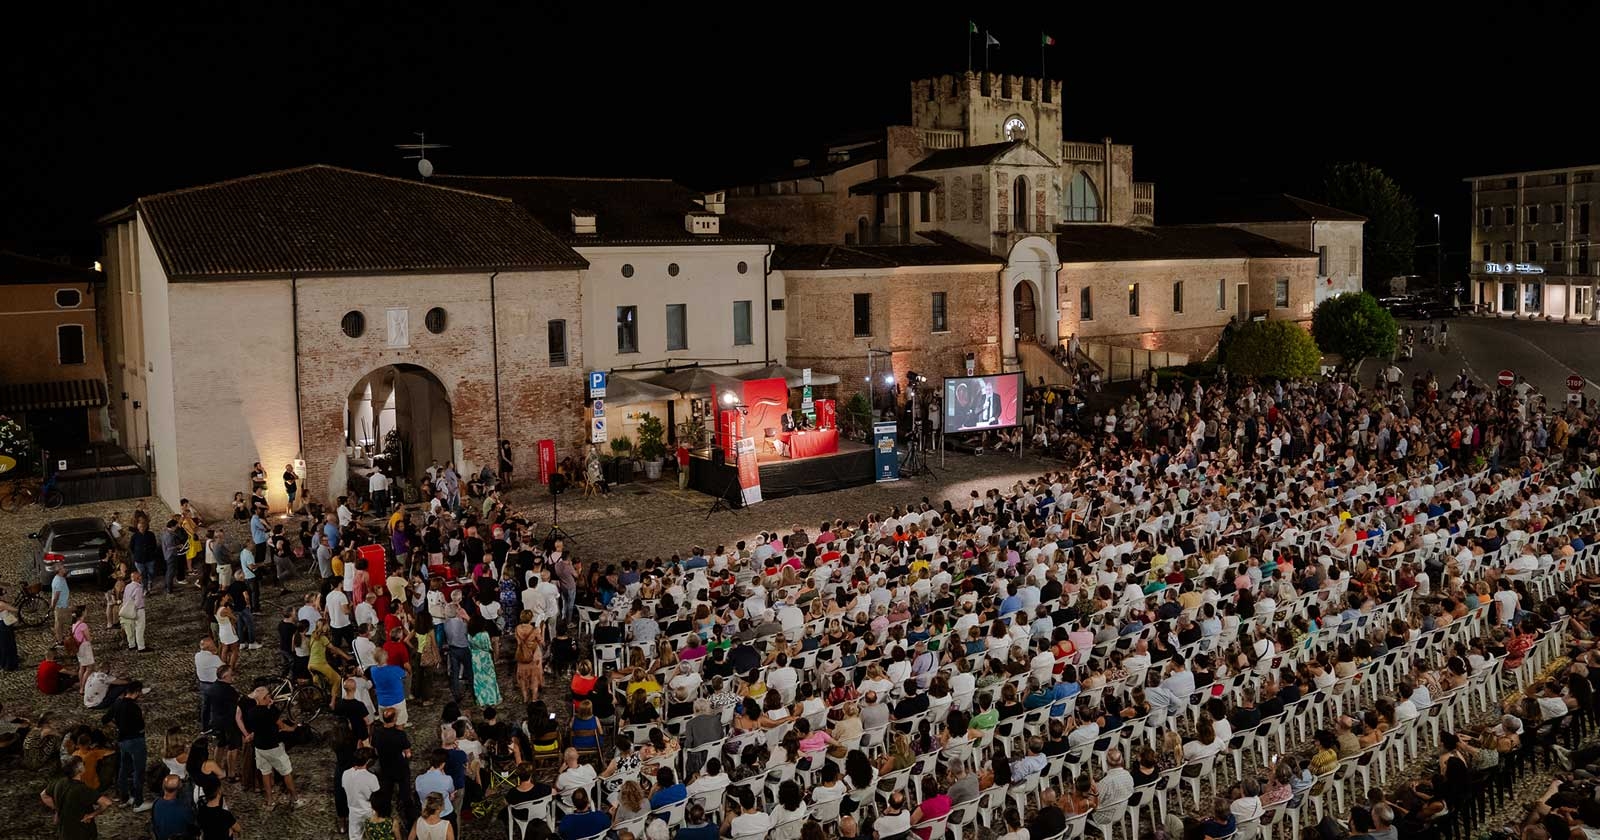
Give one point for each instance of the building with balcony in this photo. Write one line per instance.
(1531, 241)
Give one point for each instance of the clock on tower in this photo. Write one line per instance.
(1015, 128)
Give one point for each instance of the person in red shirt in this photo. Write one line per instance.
(49, 679)
(683, 465)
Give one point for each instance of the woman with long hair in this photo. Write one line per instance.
(227, 632)
(485, 682)
(530, 657)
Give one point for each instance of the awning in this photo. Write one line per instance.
(621, 390)
(696, 381)
(895, 184)
(43, 396)
(793, 377)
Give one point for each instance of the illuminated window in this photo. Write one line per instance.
(1177, 296)
(1133, 299)
(940, 319)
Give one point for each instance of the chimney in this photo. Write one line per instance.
(716, 202)
(702, 223)
(583, 221)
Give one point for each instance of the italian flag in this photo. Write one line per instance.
(1046, 40)
(972, 27)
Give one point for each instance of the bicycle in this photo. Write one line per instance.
(33, 608)
(20, 494)
(299, 702)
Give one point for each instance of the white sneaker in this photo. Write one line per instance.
(144, 807)
(254, 646)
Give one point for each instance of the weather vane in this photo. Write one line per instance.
(421, 147)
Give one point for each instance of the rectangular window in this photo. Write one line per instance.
(556, 339)
(1558, 214)
(1583, 217)
(1222, 293)
(923, 205)
(1177, 296)
(627, 329)
(777, 304)
(1486, 217)
(1530, 251)
(1559, 178)
(1086, 304)
(1322, 261)
(69, 344)
(1485, 248)
(1510, 215)
(1510, 184)
(863, 315)
(677, 326)
(741, 323)
(1280, 293)
(1558, 252)
(1508, 252)
(1583, 258)
(1533, 214)
(941, 321)
(1533, 297)
(1133, 299)
(1508, 297)
(1355, 261)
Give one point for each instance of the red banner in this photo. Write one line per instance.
(827, 414)
(767, 401)
(547, 460)
(730, 427)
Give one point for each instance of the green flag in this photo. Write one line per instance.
(972, 27)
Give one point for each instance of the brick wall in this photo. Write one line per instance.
(821, 324)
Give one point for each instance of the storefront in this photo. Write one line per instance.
(1523, 289)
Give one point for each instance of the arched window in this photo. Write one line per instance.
(861, 231)
(1019, 204)
(1082, 201)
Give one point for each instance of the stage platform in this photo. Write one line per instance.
(851, 466)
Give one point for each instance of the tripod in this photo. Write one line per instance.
(556, 532)
(916, 461)
(721, 501)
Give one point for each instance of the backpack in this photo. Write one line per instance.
(525, 649)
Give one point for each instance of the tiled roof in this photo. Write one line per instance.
(895, 184)
(17, 269)
(628, 211)
(965, 156)
(326, 220)
(1276, 207)
(939, 250)
(1110, 243)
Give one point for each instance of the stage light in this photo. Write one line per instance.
(888, 379)
(728, 398)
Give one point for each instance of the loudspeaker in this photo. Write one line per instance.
(558, 484)
(718, 456)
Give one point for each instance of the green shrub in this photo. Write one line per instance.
(1355, 326)
(1279, 349)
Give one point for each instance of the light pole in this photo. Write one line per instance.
(1438, 258)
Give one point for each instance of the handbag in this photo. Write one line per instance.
(128, 611)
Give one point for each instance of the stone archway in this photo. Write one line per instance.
(1032, 262)
(409, 403)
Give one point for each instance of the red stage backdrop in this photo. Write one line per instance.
(768, 401)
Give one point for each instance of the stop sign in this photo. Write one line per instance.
(1506, 378)
(1575, 383)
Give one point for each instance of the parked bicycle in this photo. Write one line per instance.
(33, 606)
(19, 494)
(300, 702)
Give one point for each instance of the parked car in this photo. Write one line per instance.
(82, 544)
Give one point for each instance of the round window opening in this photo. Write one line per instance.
(434, 320)
(627, 269)
(68, 298)
(353, 323)
(743, 267)
(672, 269)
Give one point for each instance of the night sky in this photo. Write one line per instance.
(103, 105)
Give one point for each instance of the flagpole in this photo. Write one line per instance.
(969, 47)
(986, 52)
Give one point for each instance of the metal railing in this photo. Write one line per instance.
(935, 138)
(1121, 364)
(1083, 151)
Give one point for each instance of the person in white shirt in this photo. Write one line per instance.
(359, 785)
(748, 820)
(783, 679)
(709, 783)
(574, 775)
(367, 611)
(338, 605)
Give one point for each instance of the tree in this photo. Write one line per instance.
(1389, 238)
(1280, 349)
(1355, 326)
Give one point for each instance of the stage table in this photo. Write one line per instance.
(811, 442)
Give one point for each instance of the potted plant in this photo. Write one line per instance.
(622, 450)
(651, 448)
(693, 432)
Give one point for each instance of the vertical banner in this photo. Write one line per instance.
(547, 460)
(884, 456)
(749, 472)
(730, 428)
(827, 414)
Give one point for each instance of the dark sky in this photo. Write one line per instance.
(104, 104)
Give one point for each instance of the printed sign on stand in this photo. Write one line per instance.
(884, 454)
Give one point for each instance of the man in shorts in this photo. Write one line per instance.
(266, 726)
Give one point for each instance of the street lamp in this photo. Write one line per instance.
(1438, 257)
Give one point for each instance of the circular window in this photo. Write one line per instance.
(434, 320)
(68, 298)
(353, 323)
(743, 267)
(672, 269)
(627, 269)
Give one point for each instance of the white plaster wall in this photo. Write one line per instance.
(708, 283)
(161, 411)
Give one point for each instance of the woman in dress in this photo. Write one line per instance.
(84, 636)
(485, 683)
(433, 825)
(530, 658)
(227, 633)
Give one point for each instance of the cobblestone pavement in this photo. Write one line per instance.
(637, 520)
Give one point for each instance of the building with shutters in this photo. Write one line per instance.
(1531, 253)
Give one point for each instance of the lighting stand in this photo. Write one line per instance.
(916, 461)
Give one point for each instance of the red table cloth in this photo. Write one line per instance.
(812, 442)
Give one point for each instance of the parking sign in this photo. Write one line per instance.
(597, 384)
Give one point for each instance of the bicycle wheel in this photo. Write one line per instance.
(33, 611)
(54, 499)
(307, 703)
